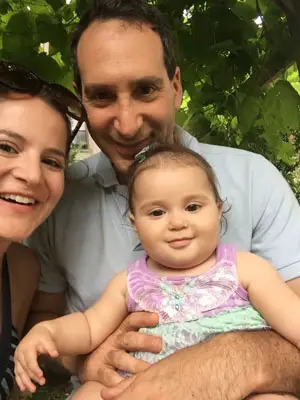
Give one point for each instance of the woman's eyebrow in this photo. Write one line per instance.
(15, 135)
(57, 152)
(11, 134)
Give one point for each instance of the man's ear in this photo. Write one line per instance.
(132, 220)
(177, 87)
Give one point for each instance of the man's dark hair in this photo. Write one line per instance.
(132, 11)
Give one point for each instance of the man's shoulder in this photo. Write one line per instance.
(83, 169)
(227, 160)
(217, 152)
(80, 185)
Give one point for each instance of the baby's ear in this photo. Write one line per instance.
(132, 220)
(220, 207)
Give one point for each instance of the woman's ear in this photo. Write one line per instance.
(132, 220)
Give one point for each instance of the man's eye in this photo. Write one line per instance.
(193, 207)
(157, 213)
(7, 148)
(101, 98)
(145, 91)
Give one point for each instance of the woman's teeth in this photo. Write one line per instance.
(17, 199)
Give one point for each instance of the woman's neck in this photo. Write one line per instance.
(4, 244)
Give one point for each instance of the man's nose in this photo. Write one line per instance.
(29, 170)
(128, 119)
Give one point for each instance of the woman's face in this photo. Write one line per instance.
(33, 139)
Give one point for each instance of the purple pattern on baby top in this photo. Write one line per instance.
(187, 298)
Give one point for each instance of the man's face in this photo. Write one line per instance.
(128, 95)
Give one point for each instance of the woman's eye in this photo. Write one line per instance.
(7, 148)
(193, 207)
(53, 163)
(157, 213)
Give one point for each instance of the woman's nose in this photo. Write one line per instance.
(29, 170)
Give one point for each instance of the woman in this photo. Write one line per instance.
(35, 136)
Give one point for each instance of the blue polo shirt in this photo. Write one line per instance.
(89, 238)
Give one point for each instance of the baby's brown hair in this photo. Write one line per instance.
(158, 155)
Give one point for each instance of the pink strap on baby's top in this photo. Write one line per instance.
(226, 252)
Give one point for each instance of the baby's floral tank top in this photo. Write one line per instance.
(191, 309)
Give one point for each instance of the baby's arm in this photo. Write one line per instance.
(73, 334)
(270, 295)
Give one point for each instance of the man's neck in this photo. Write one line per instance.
(122, 178)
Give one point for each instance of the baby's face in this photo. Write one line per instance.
(176, 215)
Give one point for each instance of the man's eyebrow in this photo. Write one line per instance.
(93, 88)
(17, 136)
(150, 79)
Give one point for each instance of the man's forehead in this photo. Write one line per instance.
(114, 37)
(116, 26)
(110, 53)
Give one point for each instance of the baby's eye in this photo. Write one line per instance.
(7, 148)
(157, 213)
(193, 207)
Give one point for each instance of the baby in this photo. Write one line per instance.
(198, 287)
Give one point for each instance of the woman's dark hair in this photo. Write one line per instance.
(159, 155)
(55, 105)
(131, 11)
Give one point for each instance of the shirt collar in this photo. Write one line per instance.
(105, 173)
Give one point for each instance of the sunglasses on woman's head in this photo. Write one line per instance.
(20, 79)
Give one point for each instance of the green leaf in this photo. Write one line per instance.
(181, 117)
(244, 10)
(289, 104)
(45, 25)
(39, 7)
(46, 67)
(82, 6)
(286, 153)
(56, 4)
(225, 45)
(281, 109)
(68, 12)
(4, 6)
(234, 123)
(20, 32)
(248, 112)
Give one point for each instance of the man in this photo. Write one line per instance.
(129, 82)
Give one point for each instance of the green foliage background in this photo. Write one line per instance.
(240, 73)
